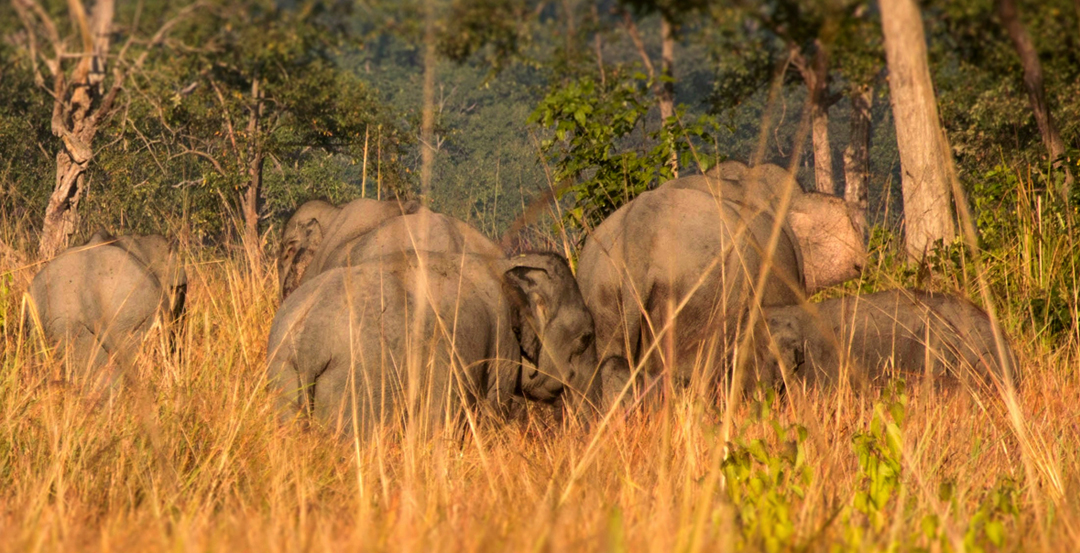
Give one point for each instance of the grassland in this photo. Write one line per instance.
(189, 457)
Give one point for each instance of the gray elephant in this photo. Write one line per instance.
(318, 226)
(871, 338)
(98, 301)
(429, 337)
(825, 227)
(670, 276)
(423, 230)
(320, 237)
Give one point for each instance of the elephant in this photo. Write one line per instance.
(318, 226)
(670, 277)
(869, 339)
(98, 301)
(429, 337)
(827, 229)
(320, 237)
(423, 230)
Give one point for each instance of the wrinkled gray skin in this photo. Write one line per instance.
(672, 246)
(825, 227)
(320, 237)
(423, 336)
(99, 300)
(318, 228)
(869, 339)
(424, 230)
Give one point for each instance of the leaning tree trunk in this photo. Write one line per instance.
(857, 154)
(666, 88)
(78, 111)
(924, 157)
(1033, 82)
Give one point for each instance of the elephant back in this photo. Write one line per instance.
(422, 231)
(97, 296)
(351, 223)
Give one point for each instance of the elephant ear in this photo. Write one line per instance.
(298, 253)
(529, 292)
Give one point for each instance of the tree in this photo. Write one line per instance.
(805, 32)
(82, 103)
(857, 152)
(1033, 83)
(815, 73)
(860, 61)
(263, 86)
(924, 155)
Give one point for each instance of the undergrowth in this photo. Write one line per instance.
(189, 457)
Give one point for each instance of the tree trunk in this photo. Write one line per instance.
(816, 76)
(249, 201)
(1033, 82)
(427, 110)
(924, 161)
(857, 154)
(666, 87)
(78, 110)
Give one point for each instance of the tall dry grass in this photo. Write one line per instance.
(189, 457)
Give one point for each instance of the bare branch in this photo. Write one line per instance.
(635, 36)
(192, 152)
(228, 118)
(31, 40)
(104, 112)
(78, 14)
(48, 24)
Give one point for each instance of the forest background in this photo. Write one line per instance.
(304, 100)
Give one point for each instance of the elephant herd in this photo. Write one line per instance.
(391, 312)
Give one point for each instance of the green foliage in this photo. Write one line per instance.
(591, 124)
(880, 453)
(27, 169)
(494, 25)
(977, 73)
(768, 479)
(182, 144)
(765, 478)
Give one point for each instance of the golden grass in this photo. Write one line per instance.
(189, 457)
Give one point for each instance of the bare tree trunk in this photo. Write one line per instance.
(924, 157)
(599, 46)
(666, 87)
(816, 76)
(857, 154)
(1033, 82)
(249, 202)
(78, 110)
(427, 115)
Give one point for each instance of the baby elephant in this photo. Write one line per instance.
(99, 300)
(873, 337)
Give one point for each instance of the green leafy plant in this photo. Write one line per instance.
(764, 479)
(594, 146)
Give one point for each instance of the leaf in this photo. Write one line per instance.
(995, 532)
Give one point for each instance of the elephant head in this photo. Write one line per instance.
(554, 328)
(318, 230)
(300, 239)
(830, 239)
(827, 228)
